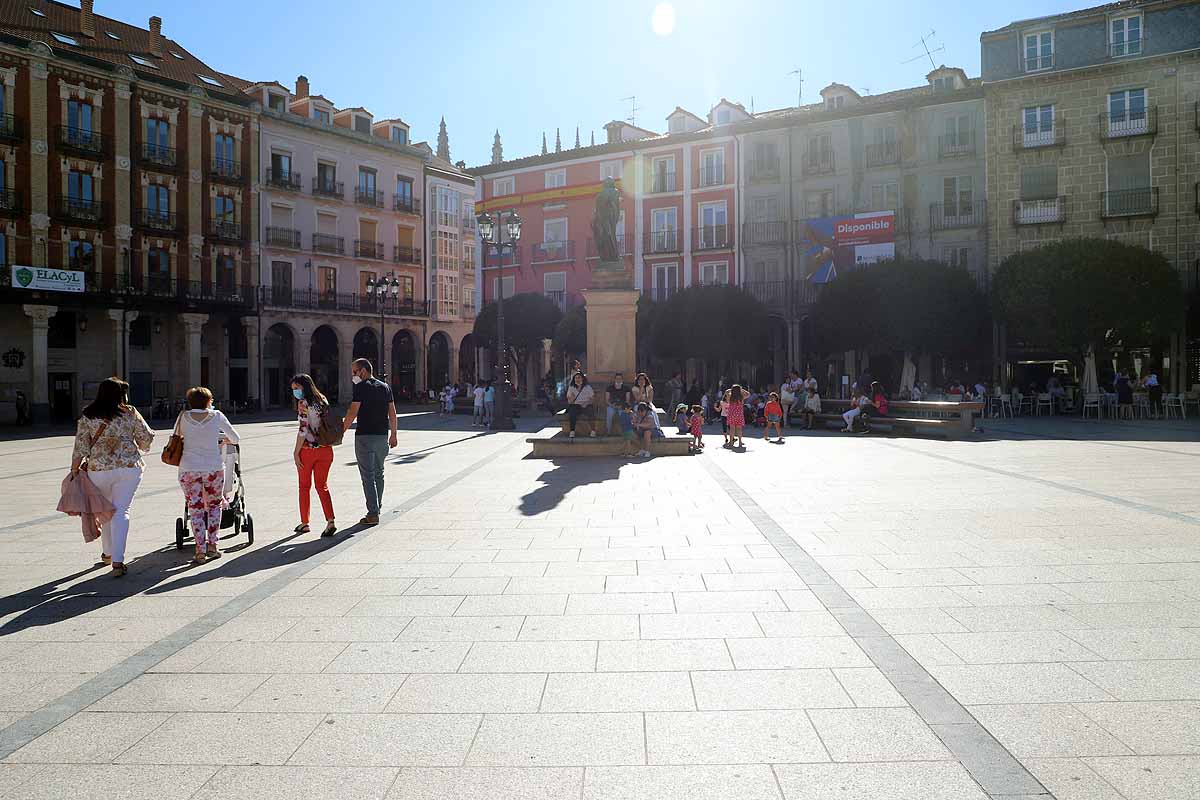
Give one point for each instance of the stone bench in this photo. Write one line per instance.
(559, 445)
(931, 418)
(585, 424)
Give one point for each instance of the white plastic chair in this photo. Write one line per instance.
(1044, 401)
(1091, 401)
(1025, 403)
(1174, 404)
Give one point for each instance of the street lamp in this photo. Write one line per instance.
(380, 290)
(492, 240)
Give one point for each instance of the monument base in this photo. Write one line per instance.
(611, 328)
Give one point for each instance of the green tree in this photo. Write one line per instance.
(709, 323)
(1078, 294)
(528, 319)
(570, 335)
(906, 304)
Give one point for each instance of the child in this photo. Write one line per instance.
(625, 426)
(774, 417)
(812, 406)
(681, 421)
(737, 415)
(696, 426)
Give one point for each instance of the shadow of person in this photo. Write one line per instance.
(567, 474)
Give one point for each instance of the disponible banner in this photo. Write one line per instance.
(46, 279)
(828, 244)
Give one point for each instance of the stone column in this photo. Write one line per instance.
(122, 176)
(121, 320)
(39, 164)
(303, 352)
(195, 199)
(422, 354)
(192, 325)
(253, 365)
(453, 364)
(345, 356)
(38, 377)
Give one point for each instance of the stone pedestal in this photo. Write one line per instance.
(611, 307)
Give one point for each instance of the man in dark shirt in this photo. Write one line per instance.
(617, 396)
(376, 414)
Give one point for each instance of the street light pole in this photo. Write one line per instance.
(379, 290)
(491, 239)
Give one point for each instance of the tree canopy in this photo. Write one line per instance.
(1078, 294)
(528, 318)
(913, 305)
(708, 322)
(570, 335)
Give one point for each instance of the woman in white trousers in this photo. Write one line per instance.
(109, 443)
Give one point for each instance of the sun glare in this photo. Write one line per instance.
(662, 21)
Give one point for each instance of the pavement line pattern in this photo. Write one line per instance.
(1065, 487)
(992, 766)
(50, 716)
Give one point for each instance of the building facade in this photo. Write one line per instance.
(341, 214)
(127, 212)
(1094, 130)
(916, 154)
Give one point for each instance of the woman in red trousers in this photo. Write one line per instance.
(313, 460)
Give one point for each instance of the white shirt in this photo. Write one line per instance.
(201, 434)
(478, 396)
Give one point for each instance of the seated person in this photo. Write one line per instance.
(681, 418)
(812, 406)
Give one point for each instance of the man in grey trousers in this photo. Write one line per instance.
(375, 411)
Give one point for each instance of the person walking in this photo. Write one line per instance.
(313, 459)
(477, 415)
(110, 439)
(736, 414)
(202, 469)
(489, 404)
(374, 408)
(580, 395)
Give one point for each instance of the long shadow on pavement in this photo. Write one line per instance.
(568, 474)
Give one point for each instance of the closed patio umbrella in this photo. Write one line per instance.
(1090, 384)
(908, 374)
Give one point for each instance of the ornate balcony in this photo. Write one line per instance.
(328, 243)
(882, 154)
(818, 162)
(406, 204)
(155, 220)
(323, 187)
(283, 179)
(84, 212)
(83, 141)
(1040, 211)
(662, 182)
(227, 230)
(765, 234)
(406, 254)
(1124, 124)
(282, 237)
(227, 170)
(368, 197)
(158, 156)
(368, 248)
(1129, 203)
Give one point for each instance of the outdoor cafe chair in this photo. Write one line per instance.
(1044, 401)
(1092, 401)
(1174, 404)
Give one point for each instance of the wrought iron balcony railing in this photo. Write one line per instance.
(764, 170)
(368, 197)
(710, 176)
(407, 254)
(326, 187)
(1121, 124)
(765, 234)
(882, 154)
(225, 229)
(156, 220)
(662, 182)
(159, 155)
(10, 127)
(328, 243)
(968, 214)
(226, 169)
(283, 179)
(818, 162)
(552, 252)
(81, 140)
(1040, 210)
(664, 241)
(82, 211)
(1028, 138)
(1129, 203)
(283, 237)
(367, 248)
(406, 204)
(712, 237)
(956, 145)
(282, 297)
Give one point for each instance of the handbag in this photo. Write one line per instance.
(172, 453)
(332, 428)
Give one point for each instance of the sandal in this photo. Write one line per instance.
(105, 558)
(119, 570)
(302, 528)
(212, 553)
(200, 557)
(330, 529)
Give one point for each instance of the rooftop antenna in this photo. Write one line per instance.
(800, 85)
(633, 109)
(924, 45)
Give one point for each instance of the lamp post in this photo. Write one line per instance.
(491, 240)
(380, 290)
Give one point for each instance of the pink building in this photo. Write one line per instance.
(678, 219)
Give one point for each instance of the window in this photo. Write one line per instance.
(223, 209)
(210, 81)
(158, 269)
(504, 186)
(764, 209)
(714, 273)
(1126, 36)
(765, 161)
(276, 102)
(612, 169)
(81, 254)
(713, 230)
(62, 37)
(884, 148)
(399, 135)
(365, 277)
(723, 116)
(554, 238)
(362, 124)
(885, 196)
(35, 12)
(321, 115)
(556, 178)
(835, 102)
(1127, 112)
(663, 172)
(226, 273)
(112, 36)
(663, 231)
(957, 255)
(666, 280)
(404, 194)
(406, 289)
(327, 281)
(449, 208)
(712, 167)
(820, 152)
(158, 204)
(223, 153)
(958, 197)
(142, 62)
(1038, 126)
(1039, 200)
(942, 85)
(1129, 189)
(80, 186)
(61, 334)
(176, 55)
(281, 281)
(1039, 51)
(281, 165)
(326, 177)
(3, 249)
(960, 133)
(554, 286)
(468, 294)
(509, 284)
(79, 117)
(366, 182)
(675, 125)
(158, 138)
(819, 204)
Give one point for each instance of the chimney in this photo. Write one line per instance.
(156, 40)
(87, 20)
(301, 86)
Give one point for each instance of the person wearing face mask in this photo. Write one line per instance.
(313, 459)
(375, 411)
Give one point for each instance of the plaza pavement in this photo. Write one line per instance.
(835, 618)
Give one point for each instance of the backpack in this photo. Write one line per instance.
(330, 432)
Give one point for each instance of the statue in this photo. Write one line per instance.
(604, 222)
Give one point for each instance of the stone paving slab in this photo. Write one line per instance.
(1008, 618)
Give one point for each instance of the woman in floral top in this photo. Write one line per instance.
(313, 460)
(109, 443)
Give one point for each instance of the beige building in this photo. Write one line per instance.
(1093, 130)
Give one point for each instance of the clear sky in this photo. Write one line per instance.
(528, 66)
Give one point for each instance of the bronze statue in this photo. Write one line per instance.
(604, 222)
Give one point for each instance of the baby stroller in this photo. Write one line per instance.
(234, 514)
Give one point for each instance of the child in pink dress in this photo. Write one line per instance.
(696, 427)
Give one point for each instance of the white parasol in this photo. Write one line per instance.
(908, 374)
(1090, 385)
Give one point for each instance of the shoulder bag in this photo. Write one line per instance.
(331, 430)
(172, 453)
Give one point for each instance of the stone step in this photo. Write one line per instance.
(560, 446)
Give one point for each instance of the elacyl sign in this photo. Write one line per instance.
(46, 279)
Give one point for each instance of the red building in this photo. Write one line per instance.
(678, 216)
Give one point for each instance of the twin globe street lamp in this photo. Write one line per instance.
(380, 290)
(492, 240)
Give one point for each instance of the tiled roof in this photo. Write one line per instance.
(1083, 12)
(176, 63)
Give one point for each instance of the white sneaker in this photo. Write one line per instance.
(592, 434)
(571, 435)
